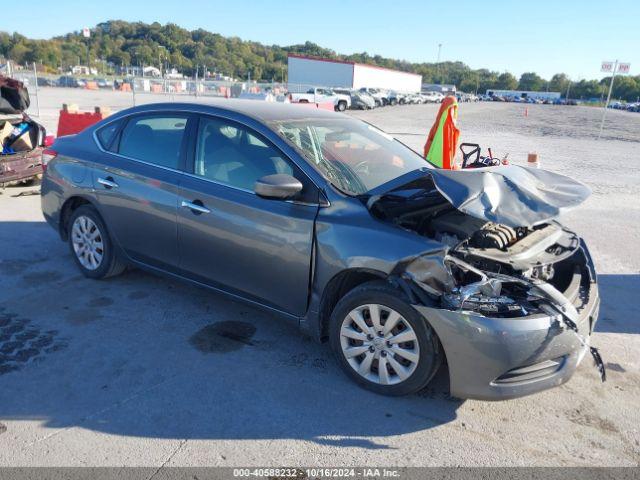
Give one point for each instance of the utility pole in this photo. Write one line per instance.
(438, 61)
(566, 97)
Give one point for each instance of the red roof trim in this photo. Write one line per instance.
(320, 59)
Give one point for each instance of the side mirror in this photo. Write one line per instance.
(279, 186)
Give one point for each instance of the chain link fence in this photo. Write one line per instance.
(30, 79)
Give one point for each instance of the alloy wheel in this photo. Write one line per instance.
(379, 344)
(88, 243)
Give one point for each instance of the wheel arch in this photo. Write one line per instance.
(336, 288)
(68, 207)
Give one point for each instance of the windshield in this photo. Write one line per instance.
(352, 155)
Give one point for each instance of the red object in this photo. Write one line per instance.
(526, 111)
(71, 123)
(48, 155)
(48, 140)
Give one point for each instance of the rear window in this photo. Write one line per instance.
(154, 139)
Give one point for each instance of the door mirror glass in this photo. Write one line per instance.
(280, 186)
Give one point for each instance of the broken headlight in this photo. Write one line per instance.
(484, 294)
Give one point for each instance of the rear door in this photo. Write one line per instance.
(232, 239)
(137, 184)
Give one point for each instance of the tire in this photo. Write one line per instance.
(342, 106)
(428, 356)
(88, 221)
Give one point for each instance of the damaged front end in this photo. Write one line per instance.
(512, 292)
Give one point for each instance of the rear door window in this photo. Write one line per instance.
(155, 139)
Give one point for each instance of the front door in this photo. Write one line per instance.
(235, 240)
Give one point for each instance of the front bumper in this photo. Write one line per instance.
(502, 358)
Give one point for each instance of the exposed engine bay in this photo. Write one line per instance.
(489, 267)
(529, 251)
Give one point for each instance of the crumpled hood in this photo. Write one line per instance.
(510, 195)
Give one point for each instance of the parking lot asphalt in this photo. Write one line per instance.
(139, 370)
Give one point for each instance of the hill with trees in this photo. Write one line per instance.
(118, 43)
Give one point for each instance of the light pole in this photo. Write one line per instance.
(438, 62)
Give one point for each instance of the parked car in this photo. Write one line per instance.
(22, 139)
(359, 100)
(323, 95)
(380, 96)
(431, 97)
(396, 98)
(466, 97)
(46, 82)
(68, 81)
(326, 221)
(104, 83)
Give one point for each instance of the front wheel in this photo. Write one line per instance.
(91, 246)
(382, 342)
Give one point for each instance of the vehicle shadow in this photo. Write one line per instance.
(143, 356)
(140, 355)
(619, 309)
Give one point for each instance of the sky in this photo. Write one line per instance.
(544, 36)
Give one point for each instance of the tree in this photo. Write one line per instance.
(586, 89)
(122, 43)
(559, 83)
(506, 81)
(531, 81)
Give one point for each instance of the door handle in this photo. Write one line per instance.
(108, 183)
(196, 207)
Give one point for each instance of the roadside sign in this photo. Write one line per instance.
(606, 67)
(613, 68)
(86, 33)
(624, 67)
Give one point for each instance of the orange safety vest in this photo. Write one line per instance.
(442, 141)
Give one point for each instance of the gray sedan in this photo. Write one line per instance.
(334, 225)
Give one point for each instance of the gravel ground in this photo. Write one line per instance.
(140, 371)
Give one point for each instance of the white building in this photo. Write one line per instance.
(83, 70)
(320, 72)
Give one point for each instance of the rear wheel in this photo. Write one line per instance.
(91, 246)
(382, 342)
(342, 106)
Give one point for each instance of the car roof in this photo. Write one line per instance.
(259, 110)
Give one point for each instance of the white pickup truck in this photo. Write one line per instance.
(323, 95)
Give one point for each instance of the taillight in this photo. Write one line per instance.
(48, 155)
(48, 140)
